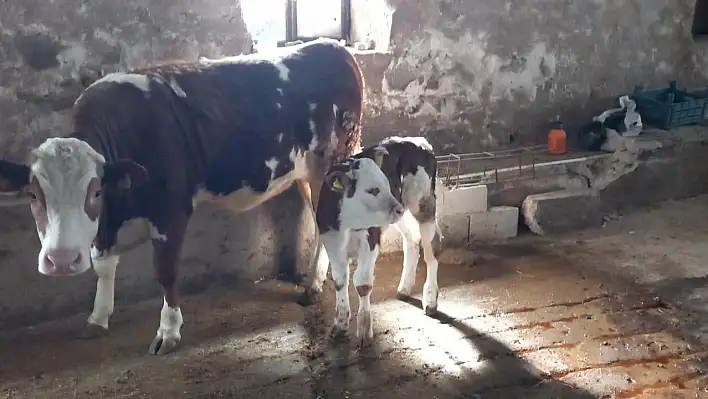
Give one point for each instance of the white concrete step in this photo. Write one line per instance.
(497, 223)
(462, 201)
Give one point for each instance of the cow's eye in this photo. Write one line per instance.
(373, 191)
(98, 194)
(32, 196)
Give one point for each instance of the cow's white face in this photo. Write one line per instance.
(367, 200)
(65, 185)
(66, 201)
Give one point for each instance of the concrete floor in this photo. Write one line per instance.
(619, 312)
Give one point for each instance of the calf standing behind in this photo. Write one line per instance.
(390, 183)
(148, 144)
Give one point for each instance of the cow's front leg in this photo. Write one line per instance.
(105, 269)
(167, 248)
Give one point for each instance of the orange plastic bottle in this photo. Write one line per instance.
(557, 139)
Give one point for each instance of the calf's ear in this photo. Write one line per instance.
(379, 153)
(124, 174)
(13, 176)
(338, 181)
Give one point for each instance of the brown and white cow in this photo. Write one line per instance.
(392, 182)
(149, 143)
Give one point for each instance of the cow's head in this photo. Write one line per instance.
(366, 194)
(66, 183)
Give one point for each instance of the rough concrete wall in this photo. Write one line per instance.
(48, 51)
(48, 48)
(474, 74)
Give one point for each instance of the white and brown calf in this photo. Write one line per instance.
(390, 183)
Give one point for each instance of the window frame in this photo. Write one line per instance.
(291, 24)
(699, 27)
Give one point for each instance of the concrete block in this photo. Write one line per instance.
(455, 229)
(391, 241)
(562, 211)
(463, 201)
(498, 223)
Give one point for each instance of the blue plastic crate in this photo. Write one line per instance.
(669, 108)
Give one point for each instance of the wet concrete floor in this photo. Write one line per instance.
(618, 312)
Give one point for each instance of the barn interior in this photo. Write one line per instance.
(573, 275)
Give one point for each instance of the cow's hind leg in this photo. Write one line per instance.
(105, 269)
(166, 257)
(408, 226)
(319, 262)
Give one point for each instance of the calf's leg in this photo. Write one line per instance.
(364, 283)
(430, 288)
(408, 226)
(105, 269)
(166, 261)
(335, 242)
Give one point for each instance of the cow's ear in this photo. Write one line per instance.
(124, 174)
(13, 177)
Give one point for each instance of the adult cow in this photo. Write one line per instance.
(151, 142)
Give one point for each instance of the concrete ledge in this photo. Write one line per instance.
(562, 211)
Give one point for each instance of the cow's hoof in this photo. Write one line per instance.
(430, 310)
(92, 331)
(162, 346)
(308, 298)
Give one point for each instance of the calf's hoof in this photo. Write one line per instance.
(339, 333)
(365, 330)
(163, 346)
(430, 310)
(91, 331)
(364, 342)
(308, 298)
(402, 297)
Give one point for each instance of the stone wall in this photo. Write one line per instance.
(483, 74)
(467, 74)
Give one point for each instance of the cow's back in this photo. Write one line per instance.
(225, 124)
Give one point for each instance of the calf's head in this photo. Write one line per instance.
(66, 184)
(366, 194)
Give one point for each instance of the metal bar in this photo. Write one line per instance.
(502, 173)
(346, 22)
(290, 20)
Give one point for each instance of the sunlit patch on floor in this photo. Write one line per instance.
(548, 321)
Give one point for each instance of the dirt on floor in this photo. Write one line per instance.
(620, 311)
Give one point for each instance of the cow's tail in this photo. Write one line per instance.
(351, 116)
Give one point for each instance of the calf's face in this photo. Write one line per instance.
(66, 183)
(366, 195)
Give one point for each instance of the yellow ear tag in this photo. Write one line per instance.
(379, 160)
(125, 182)
(338, 185)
